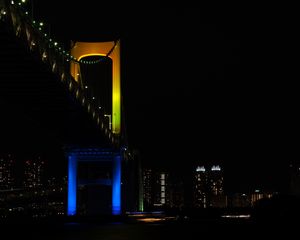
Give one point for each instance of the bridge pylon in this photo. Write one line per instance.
(109, 179)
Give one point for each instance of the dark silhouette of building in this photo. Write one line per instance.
(34, 173)
(6, 171)
(294, 172)
(156, 189)
(147, 188)
(176, 190)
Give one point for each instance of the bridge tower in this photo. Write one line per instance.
(114, 156)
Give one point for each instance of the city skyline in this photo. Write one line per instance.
(152, 122)
(161, 190)
(179, 109)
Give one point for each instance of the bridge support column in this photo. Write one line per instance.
(72, 184)
(116, 185)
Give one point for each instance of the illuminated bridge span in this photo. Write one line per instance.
(68, 66)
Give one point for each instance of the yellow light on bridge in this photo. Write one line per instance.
(85, 49)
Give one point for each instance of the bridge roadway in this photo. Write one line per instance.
(36, 104)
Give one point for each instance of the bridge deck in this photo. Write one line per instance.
(35, 104)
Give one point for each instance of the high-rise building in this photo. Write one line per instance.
(176, 190)
(208, 187)
(34, 171)
(200, 187)
(155, 189)
(294, 179)
(6, 171)
(161, 187)
(147, 188)
(216, 180)
(217, 198)
(132, 190)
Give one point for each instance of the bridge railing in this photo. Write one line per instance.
(56, 58)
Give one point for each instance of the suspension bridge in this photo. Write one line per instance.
(107, 146)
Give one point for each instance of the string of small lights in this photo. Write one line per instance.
(39, 26)
(82, 93)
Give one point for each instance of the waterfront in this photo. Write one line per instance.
(222, 228)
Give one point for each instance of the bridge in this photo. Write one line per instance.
(95, 113)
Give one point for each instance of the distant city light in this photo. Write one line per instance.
(200, 169)
(86, 87)
(216, 168)
(237, 216)
(256, 190)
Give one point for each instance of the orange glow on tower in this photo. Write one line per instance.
(84, 49)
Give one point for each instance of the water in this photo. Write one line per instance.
(237, 229)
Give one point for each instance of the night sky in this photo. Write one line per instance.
(197, 90)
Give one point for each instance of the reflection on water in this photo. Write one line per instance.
(155, 220)
(145, 228)
(247, 216)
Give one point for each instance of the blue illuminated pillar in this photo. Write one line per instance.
(116, 186)
(72, 185)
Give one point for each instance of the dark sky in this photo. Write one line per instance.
(196, 89)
